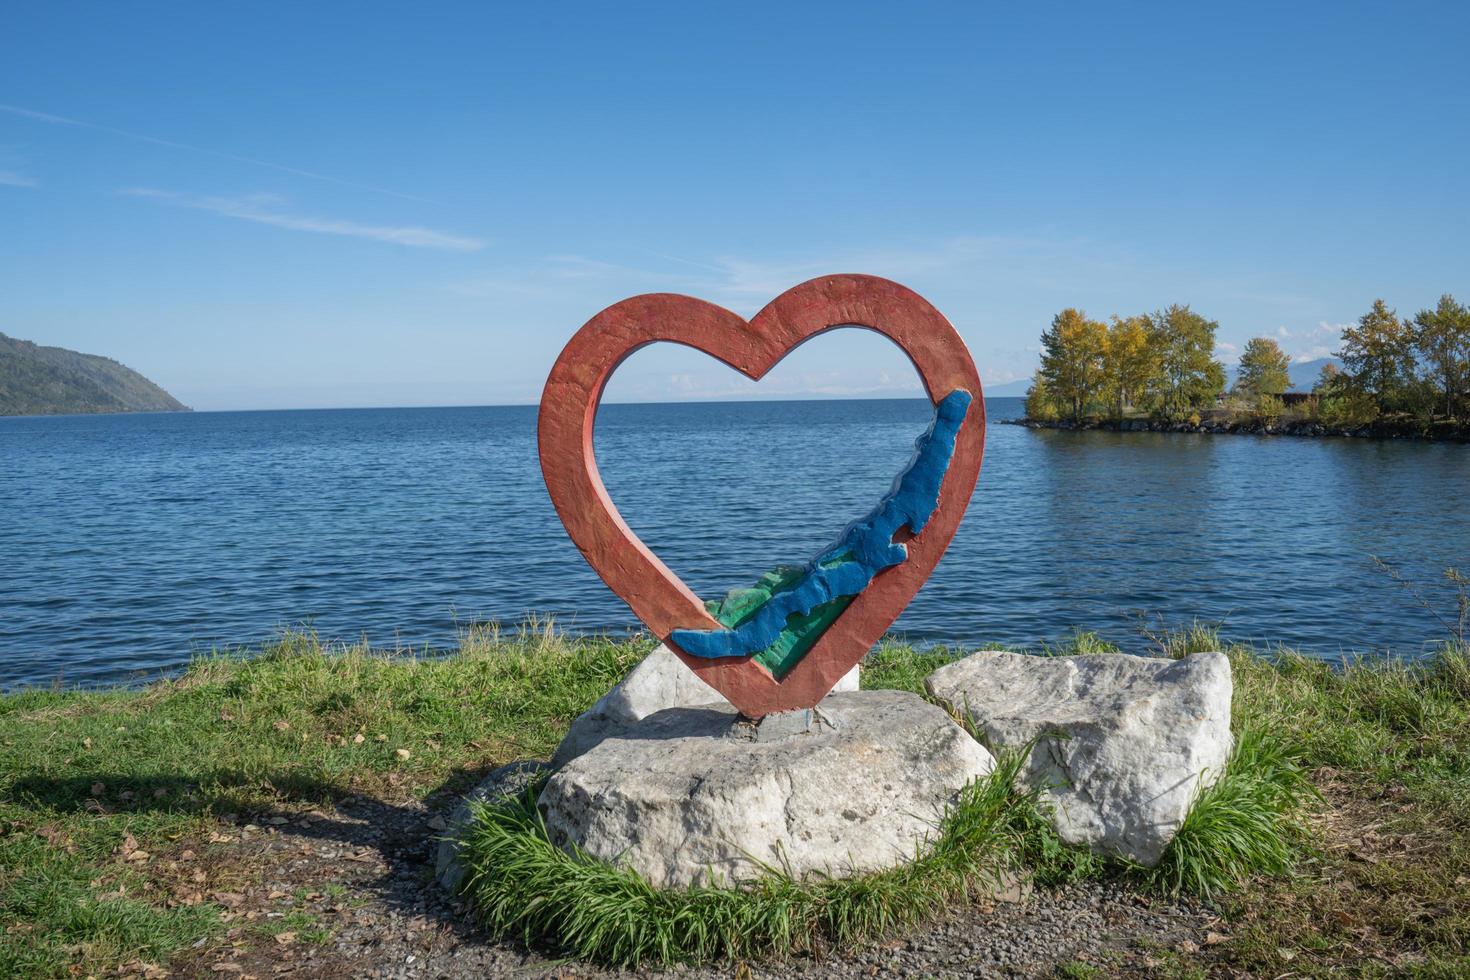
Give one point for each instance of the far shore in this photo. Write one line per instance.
(1386, 428)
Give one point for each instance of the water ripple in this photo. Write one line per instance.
(129, 542)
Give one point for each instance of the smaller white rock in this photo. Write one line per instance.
(697, 795)
(1139, 736)
(659, 681)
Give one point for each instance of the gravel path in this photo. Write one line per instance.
(349, 892)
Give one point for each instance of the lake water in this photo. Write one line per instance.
(129, 542)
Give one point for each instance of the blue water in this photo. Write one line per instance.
(128, 542)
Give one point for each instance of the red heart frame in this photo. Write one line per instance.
(655, 594)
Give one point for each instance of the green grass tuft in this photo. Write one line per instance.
(52, 906)
(296, 724)
(1080, 642)
(897, 667)
(1250, 821)
(1179, 642)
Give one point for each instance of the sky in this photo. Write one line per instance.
(273, 205)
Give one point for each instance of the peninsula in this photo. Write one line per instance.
(36, 380)
(1394, 377)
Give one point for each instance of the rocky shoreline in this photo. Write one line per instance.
(1440, 431)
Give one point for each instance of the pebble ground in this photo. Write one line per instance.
(349, 892)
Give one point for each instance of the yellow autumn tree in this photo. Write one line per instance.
(1132, 363)
(1379, 355)
(1072, 360)
(1040, 405)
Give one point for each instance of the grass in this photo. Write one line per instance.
(87, 778)
(1388, 744)
(1247, 823)
(1357, 776)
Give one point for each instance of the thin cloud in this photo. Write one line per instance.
(265, 209)
(743, 282)
(53, 120)
(745, 285)
(12, 179)
(1323, 340)
(1301, 343)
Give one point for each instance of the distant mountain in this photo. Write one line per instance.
(1304, 375)
(36, 380)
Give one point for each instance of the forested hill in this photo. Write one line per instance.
(37, 380)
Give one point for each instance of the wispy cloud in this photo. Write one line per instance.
(12, 179)
(266, 209)
(741, 281)
(1322, 340)
(745, 285)
(54, 120)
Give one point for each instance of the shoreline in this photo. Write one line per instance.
(94, 412)
(1383, 429)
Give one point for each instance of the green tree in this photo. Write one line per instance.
(1072, 360)
(1265, 369)
(1340, 400)
(1185, 342)
(1441, 338)
(1379, 355)
(1328, 379)
(1040, 405)
(1131, 364)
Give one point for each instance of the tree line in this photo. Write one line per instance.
(1162, 365)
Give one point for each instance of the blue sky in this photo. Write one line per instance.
(297, 205)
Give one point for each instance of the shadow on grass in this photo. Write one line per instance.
(310, 833)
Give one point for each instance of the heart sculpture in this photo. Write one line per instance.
(849, 595)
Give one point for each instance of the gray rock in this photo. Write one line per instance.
(804, 721)
(1139, 737)
(504, 782)
(692, 795)
(660, 681)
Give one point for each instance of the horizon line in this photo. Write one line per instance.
(380, 408)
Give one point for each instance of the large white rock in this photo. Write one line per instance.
(1140, 737)
(659, 681)
(691, 795)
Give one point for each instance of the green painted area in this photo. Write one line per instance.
(741, 604)
(801, 631)
(800, 634)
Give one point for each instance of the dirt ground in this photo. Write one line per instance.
(349, 891)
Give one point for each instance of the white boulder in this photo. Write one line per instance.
(659, 681)
(1122, 744)
(692, 795)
